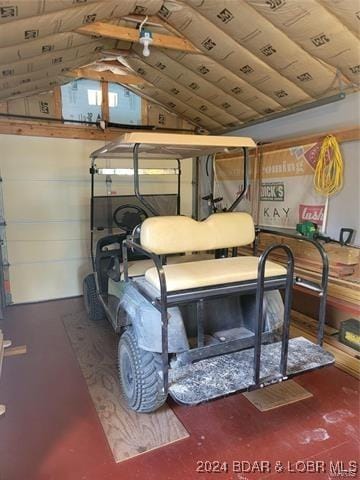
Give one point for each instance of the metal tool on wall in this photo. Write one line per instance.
(311, 230)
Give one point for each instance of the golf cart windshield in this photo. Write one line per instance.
(167, 147)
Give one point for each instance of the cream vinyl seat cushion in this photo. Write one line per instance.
(206, 273)
(178, 234)
(137, 268)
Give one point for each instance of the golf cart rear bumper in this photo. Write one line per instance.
(234, 372)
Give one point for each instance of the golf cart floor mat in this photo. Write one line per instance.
(218, 376)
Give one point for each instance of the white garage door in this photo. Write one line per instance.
(46, 192)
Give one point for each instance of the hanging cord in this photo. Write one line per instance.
(329, 171)
(143, 23)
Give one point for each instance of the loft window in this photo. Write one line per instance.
(81, 100)
(124, 105)
(113, 99)
(94, 97)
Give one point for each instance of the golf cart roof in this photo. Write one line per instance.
(171, 146)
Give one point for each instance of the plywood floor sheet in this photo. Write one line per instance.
(128, 433)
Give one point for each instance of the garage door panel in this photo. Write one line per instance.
(36, 157)
(68, 159)
(43, 281)
(37, 231)
(46, 192)
(45, 251)
(45, 201)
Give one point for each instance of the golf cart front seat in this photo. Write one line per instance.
(178, 234)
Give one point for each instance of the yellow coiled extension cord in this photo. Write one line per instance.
(329, 171)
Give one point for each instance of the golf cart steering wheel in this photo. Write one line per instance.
(127, 220)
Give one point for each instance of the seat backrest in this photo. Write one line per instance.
(178, 234)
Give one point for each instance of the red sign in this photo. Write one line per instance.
(311, 213)
(312, 155)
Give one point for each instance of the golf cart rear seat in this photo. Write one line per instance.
(166, 235)
(138, 268)
(207, 273)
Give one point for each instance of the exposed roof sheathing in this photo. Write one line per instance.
(251, 57)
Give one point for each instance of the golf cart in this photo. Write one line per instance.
(194, 319)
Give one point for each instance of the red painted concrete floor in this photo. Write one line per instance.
(51, 430)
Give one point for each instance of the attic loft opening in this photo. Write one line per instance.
(82, 100)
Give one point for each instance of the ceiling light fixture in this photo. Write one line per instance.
(145, 38)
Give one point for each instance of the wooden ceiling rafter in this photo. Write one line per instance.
(117, 32)
(156, 21)
(105, 76)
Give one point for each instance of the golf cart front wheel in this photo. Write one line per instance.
(93, 306)
(139, 374)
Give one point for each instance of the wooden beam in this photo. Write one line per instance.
(57, 103)
(152, 21)
(105, 76)
(58, 130)
(44, 129)
(117, 32)
(144, 111)
(105, 101)
(106, 62)
(155, 21)
(348, 135)
(18, 350)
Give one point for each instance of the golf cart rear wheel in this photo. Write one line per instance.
(139, 374)
(93, 306)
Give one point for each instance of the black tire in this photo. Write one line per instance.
(140, 382)
(93, 306)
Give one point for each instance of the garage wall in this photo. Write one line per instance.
(46, 194)
(344, 208)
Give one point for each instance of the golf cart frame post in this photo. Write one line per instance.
(320, 289)
(245, 182)
(139, 196)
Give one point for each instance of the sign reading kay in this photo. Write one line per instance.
(286, 191)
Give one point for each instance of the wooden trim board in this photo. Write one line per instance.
(348, 135)
(105, 112)
(18, 350)
(278, 395)
(105, 76)
(58, 130)
(57, 103)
